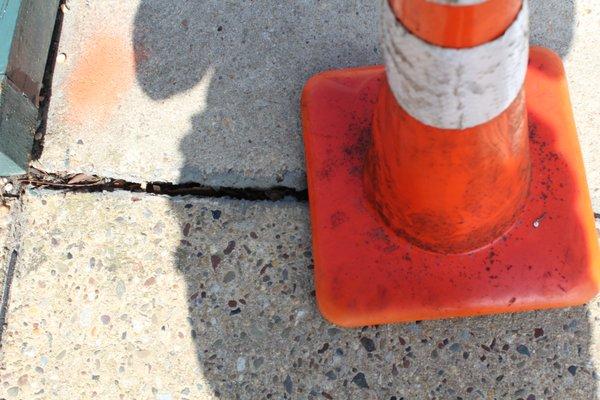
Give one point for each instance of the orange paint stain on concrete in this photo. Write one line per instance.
(99, 79)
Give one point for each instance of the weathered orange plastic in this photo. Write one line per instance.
(449, 190)
(456, 26)
(366, 274)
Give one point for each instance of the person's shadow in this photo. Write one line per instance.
(247, 265)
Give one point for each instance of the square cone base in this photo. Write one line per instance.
(367, 275)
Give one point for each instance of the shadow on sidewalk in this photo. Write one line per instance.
(251, 300)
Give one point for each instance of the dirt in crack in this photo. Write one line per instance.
(81, 182)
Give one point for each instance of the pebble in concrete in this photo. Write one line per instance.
(122, 295)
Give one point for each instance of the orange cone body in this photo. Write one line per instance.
(453, 26)
(449, 183)
(449, 190)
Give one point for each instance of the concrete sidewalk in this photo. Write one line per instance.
(187, 298)
(152, 90)
(124, 295)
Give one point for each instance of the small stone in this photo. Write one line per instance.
(8, 187)
(13, 391)
(150, 281)
(323, 349)
(120, 288)
(61, 58)
(241, 364)
(258, 362)
(229, 248)
(215, 260)
(538, 332)
(216, 214)
(288, 385)
(572, 370)
(367, 343)
(105, 319)
(522, 349)
(333, 331)
(229, 276)
(22, 381)
(360, 381)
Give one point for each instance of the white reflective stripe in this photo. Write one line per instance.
(458, 2)
(455, 88)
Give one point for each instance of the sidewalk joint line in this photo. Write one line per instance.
(6, 290)
(79, 182)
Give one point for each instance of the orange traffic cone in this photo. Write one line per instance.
(431, 194)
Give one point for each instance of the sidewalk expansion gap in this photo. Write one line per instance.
(81, 182)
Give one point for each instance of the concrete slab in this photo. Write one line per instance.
(186, 298)
(149, 90)
(152, 90)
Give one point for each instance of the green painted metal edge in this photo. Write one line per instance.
(30, 44)
(26, 28)
(9, 14)
(18, 118)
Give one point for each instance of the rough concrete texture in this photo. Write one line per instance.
(187, 298)
(152, 90)
(179, 91)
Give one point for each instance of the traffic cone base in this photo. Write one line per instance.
(366, 274)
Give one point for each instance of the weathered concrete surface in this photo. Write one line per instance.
(158, 298)
(155, 90)
(180, 91)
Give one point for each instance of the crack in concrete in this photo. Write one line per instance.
(91, 183)
(10, 270)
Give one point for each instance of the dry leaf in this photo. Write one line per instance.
(82, 178)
